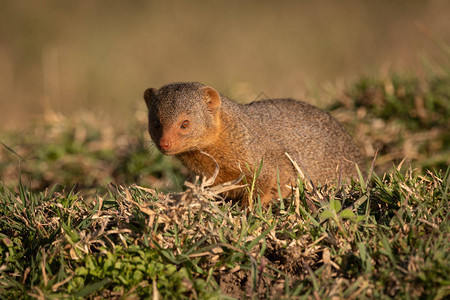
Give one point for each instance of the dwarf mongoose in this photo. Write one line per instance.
(188, 118)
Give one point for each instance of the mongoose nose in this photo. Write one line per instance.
(164, 145)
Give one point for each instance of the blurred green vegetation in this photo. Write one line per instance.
(398, 116)
(87, 153)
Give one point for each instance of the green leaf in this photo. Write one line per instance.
(336, 205)
(91, 288)
(82, 271)
(347, 213)
(327, 214)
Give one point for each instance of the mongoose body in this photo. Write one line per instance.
(186, 119)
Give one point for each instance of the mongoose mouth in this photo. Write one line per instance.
(168, 151)
(175, 150)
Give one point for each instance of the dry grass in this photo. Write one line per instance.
(391, 241)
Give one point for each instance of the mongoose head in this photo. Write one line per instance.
(182, 116)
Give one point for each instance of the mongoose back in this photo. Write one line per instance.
(186, 119)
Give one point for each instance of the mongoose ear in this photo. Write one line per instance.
(149, 95)
(211, 97)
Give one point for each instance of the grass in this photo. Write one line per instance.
(85, 212)
(400, 117)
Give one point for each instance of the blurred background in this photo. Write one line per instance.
(99, 56)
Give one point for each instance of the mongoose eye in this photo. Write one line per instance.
(185, 124)
(156, 124)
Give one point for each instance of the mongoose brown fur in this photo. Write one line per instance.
(188, 118)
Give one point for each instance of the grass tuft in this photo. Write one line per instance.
(134, 241)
